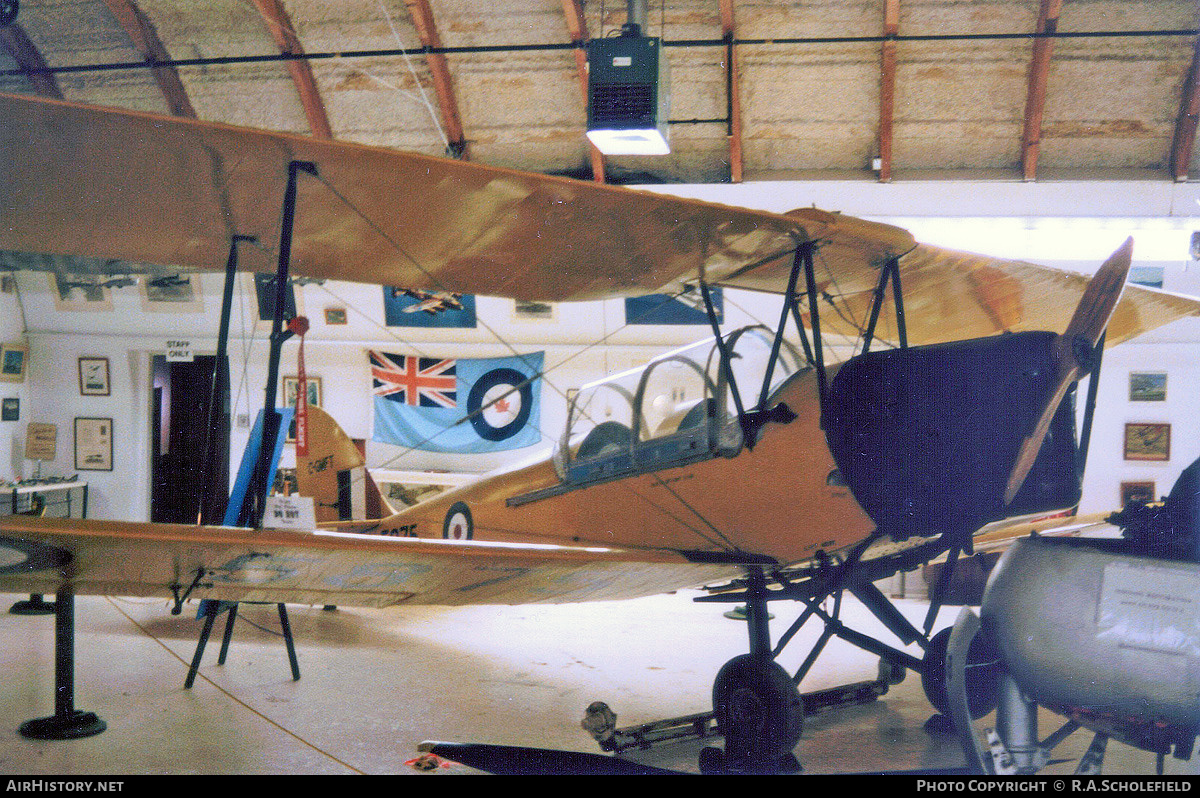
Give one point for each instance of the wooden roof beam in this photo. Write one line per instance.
(1035, 97)
(422, 19)
(29, 60)
(1185, 126)
(887, 87)
(733, 93)
(577, 29)
(284, 34)
(145, 40)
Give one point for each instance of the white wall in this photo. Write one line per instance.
(1107, 468)
(12, 433)
(1005, 219)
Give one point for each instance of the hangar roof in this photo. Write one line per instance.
(1008, 89)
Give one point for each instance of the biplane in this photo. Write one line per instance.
(787, 469)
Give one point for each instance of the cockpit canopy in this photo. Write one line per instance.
(678, 408)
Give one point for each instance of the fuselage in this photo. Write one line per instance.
(780, 499)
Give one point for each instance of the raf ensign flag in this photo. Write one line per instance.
(463, 405)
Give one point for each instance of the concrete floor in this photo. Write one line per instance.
(375, 683)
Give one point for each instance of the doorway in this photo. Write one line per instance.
(181, 443)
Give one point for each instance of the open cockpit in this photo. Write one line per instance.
(678, 409)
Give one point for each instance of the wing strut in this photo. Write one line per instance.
(789, 299)
(814, 315)
(210, 512)
(253, 504)
(726, 364)
(891, 270)
(753, 420)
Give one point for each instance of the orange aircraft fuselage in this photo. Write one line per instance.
(775, 500)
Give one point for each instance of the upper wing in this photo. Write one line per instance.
(103, 184)
(951, 295)
(99, 185)
(40, 555)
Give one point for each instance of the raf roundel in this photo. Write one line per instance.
(458, 525)
(499, 404)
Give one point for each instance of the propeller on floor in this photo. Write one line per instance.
(1076, 353)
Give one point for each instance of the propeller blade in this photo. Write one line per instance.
(1074, 353)
(1102, 294)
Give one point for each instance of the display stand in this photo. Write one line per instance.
(211, 609)
(34, 605)
(67, 722)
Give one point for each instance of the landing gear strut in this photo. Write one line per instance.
(756, 703)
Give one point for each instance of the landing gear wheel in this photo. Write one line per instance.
(983, 675)
(760, 713)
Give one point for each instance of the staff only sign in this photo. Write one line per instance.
(460, 405)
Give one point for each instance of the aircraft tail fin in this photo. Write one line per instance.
(334, 474)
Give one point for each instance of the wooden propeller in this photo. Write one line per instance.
(1076, 350)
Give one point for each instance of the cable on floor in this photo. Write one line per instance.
(231, 696)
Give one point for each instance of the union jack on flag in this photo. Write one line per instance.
(415, 381)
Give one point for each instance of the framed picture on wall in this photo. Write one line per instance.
(291, 389)
(335, 315)
(533, 311)
(93, 444)
(14, 358)
(1148, 386)
(80, 292)
(404, 307)
(174, 293)
(41, 441)
(1139, 492)
(1144, 441)
(93, 376)
(10, 409)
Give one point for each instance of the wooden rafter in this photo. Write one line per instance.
(145, 40)
(422, 18)
(29, 60)
(1185, 126)
(733, 93)
(1035, 98)
(887, 87)
(577, 28)
(288, 43)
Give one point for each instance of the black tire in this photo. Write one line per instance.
(758, 710)
(983, 675)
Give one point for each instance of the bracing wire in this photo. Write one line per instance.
(400, 249)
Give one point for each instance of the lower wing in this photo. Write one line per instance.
(44, 555)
